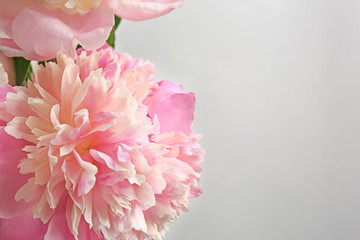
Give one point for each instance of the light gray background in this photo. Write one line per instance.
(278, 102)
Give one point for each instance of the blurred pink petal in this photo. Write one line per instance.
(27, 27)
(144, 9)
(90, 30)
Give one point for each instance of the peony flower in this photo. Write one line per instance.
(95, 148)
(28, 26)
(7, 71)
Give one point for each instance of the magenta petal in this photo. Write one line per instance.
(86, 233)
(11, 180)
(22, 227)
(58, 228)
(174, 109)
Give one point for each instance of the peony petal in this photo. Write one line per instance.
(90, 30)
(87, 23)
(174, 109)
(86, 233)
(137, 219)
(144, 9)
(87, 178)
(58, 228)
(73, 216)
(7, 69)
(94, 85)
(4, 90)
(104, 158)
(10, 178)
(5, 116)
(23, 227)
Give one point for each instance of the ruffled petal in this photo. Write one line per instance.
(7, 70)
(5, 116)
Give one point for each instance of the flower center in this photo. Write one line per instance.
(83, 146)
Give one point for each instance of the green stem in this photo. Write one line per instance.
(111, 39)
(22, 70)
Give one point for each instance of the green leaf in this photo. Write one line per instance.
(117, 21)
(28, 75)
(22, 70)
(42, 63)
(111, 39)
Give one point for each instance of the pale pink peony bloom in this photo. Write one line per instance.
(94, 148)
(7, 70)
(28, 26)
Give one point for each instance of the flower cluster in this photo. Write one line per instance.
(95, 148)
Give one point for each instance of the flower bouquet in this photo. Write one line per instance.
(91, 145)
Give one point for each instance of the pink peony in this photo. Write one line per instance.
(7, 70)
(28, 26)
(94, 148)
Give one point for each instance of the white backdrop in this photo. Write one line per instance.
(278, 102)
